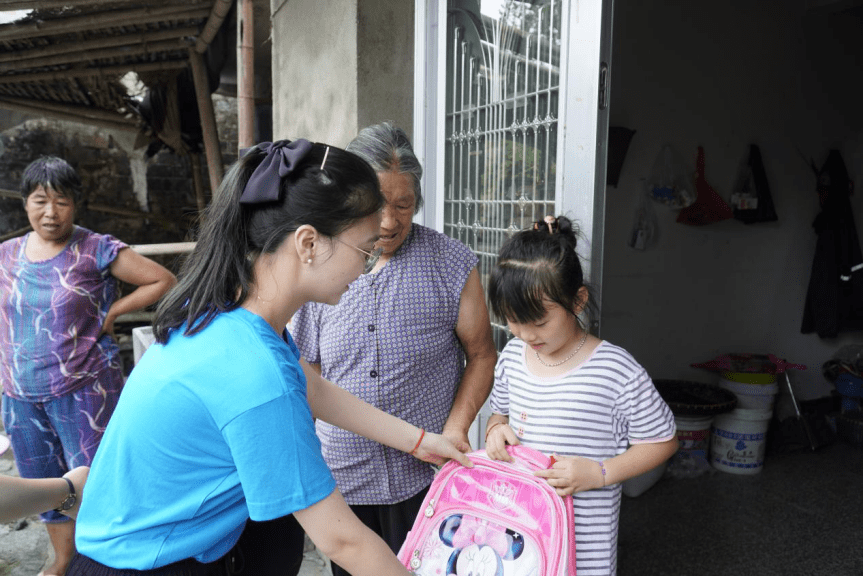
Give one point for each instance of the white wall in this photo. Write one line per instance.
(340, 65)
(724, 75)
(315, 70)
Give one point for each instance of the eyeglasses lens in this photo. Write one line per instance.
(372, 259)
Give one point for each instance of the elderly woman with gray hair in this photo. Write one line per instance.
(412, 338)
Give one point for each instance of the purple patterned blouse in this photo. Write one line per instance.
(391, 342)
(51, 313)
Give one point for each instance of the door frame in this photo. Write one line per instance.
(583, 128)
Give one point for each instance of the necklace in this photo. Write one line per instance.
(574, 352)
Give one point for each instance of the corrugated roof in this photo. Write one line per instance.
(67, 57)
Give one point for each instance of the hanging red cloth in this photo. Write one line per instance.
(708, 207)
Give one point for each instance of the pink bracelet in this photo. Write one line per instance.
(602, 469)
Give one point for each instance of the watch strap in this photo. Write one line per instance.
(69, 501)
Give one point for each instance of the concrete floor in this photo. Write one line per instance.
(802, 515)
(314, 563)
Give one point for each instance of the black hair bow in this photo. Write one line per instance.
(282, 158)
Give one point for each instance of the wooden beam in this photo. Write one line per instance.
(110, 42)
(72, 56)
(106, 71)
(7, 5)
(84, 111)
(245, 74)
(140, 317)
(10, 194)
(71, 117)
(101, 20)
(214, 22)
(212, 147)
(196, 180)
(14, 233)
(162, 249)
(137, 214)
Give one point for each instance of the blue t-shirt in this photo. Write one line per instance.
(210, 430)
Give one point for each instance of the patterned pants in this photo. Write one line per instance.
(50, 438)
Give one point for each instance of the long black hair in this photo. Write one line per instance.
(217, 275)
(536, 264)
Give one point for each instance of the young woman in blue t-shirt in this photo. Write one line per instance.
(215, 424)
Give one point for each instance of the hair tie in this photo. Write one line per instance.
(549, 221)
(282, 158)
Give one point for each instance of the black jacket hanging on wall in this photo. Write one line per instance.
(834, 301)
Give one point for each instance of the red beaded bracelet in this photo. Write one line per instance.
(420, 441)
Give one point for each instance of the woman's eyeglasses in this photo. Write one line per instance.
(371, 257)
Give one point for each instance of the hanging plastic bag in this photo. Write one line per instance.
(645, 225)
(750, 197)
(709, 207)
(669, 181)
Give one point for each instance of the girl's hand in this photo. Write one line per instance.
(499, 435)
(436, 449)
(573, 474)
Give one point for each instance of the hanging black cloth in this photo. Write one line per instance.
(755, 182)
(834, 301)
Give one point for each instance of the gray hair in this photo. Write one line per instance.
(388, 149)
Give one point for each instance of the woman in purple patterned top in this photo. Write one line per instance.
(412, 338)
(59, 364)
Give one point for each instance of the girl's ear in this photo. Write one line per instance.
(305, 239)
(581, 298)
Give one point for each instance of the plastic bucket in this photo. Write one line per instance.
(693, 434)
(738, 441)
(754, 391)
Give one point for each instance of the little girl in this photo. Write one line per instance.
(562, 391)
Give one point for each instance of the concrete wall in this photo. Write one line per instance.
(385, 41)
(339, 65)
(315, 70)
(724, 75)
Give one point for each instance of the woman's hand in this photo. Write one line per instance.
(499, 434)
(78, 476)
(108, 325)
(573, 474)
(437, 449)
(458, 438)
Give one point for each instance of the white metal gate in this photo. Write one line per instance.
(511, 123)
(501, 122)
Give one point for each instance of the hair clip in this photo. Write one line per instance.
(327, 153)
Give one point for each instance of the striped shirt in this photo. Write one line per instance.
(596, 410)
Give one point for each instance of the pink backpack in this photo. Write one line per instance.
(495, 519)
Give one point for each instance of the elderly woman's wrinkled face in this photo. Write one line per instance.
(51, 215)
(398, 211)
